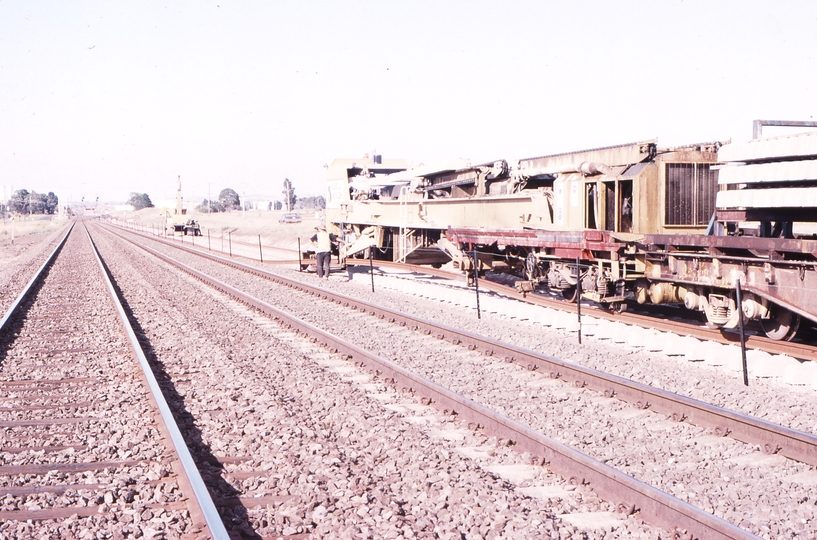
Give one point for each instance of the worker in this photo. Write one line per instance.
(323, 251)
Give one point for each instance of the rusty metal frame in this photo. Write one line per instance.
(786, 275)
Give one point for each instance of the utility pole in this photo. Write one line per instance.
(179, 195)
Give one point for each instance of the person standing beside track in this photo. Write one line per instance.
(323, 252)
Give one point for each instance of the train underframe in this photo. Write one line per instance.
(699, 273)
(703, 273)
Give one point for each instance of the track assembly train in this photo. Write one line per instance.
(636, 222)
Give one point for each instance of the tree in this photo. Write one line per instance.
(52, 203)
(19, 201)
(289, 195)
(24, 202)
(229, 199)
(140, 201)
(312, 203)
(37, 203)
(277, 205)
(210, 206)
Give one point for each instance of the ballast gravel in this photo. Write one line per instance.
(69, 361)
(331, 451)
(768, 495)
(20, 261)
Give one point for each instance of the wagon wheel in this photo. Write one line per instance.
(532, 269)
(569, 294)
(782, 325)
(618, 307)
(707, 323)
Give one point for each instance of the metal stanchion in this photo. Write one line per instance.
(476, 281)
(208, 240)
(371, 267)
(579, 296)
(230, 242)
(742, 334)
(260, 252)
(300, 269)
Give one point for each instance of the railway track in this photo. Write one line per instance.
(85, 444)
(327, 443)
(584, 379)
(773, 438)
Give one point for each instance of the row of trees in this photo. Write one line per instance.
(292, 202)
(24, 202)
(228, 199)
(312, 203)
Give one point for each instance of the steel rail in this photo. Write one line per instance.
(655, 506)
(37, 276)
(773, 438)
(190, 471)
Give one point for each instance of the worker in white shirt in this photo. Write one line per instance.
(323, 251)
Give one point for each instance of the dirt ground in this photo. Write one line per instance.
(19, 234)
(246, 226)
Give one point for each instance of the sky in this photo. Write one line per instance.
(102, 99)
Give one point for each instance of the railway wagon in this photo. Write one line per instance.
(632, 222)
(765, 239)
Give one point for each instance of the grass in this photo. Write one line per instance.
(244, 226)
(22, 226)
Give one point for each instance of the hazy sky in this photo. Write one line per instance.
(107, 98)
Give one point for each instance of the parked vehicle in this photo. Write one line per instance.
(189, 228)
(290, 217)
